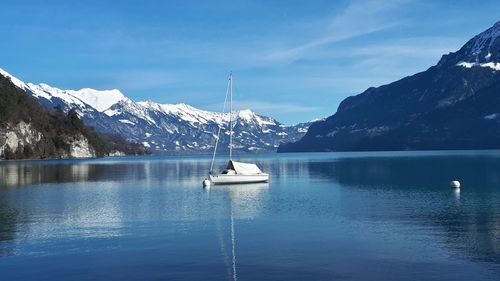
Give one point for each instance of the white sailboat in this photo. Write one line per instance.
(235, 172)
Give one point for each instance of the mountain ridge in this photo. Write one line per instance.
(31, 131)
(451, 105)
(165, 128)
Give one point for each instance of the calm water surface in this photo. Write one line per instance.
(323, 216)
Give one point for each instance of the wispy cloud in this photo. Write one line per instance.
(357, 19)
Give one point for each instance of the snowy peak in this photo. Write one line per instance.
(246, 114)
(100, 100)
(249, 116)
(483, 43)
(483, 51)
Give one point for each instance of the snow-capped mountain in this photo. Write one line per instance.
(180, 127)
(169, 128)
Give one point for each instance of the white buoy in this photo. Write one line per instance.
(206, 183)
(455, 184)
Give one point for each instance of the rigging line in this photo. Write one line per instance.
(231, 116)
(233, 244)
(220, 126)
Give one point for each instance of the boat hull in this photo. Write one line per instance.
(238, 179)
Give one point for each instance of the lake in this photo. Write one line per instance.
(322, 216)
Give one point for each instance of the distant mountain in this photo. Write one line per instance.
(452, 105)
(165, 128)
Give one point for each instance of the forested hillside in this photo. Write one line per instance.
(31, 131)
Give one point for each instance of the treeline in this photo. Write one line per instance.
(115, 143)
(58, 129)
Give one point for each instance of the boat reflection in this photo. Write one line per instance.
(243, 202)
(244, 199)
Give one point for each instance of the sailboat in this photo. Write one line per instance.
(235, 172)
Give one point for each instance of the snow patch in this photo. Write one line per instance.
(466, 64)
(491, 116)
(112, 112)
(492, 65)
(126, 121)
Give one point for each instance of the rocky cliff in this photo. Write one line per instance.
(30, 131)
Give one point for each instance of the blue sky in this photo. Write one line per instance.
(292, 60)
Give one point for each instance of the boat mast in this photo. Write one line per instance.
(230, 116)
(220, 126)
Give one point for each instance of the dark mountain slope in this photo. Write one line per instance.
(28, 130)
(453, 105)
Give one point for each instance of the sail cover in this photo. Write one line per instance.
(243, 168)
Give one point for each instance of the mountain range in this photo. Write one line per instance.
(165, 128)
(454, 104)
